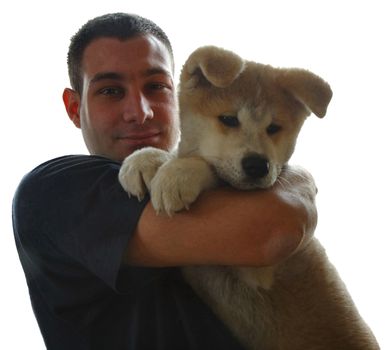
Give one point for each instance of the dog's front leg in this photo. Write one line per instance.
(138, 170)
(178, 183)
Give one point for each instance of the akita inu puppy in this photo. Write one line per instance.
(239, 123)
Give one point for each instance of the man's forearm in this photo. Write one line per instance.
(229, 227)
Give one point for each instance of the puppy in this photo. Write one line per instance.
(239, 123)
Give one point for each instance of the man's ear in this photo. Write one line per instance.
(71, 101)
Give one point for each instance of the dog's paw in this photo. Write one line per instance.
(138, 170)
(179, 182)
(300, 180)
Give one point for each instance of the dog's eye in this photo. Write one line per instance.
(229, 120)
(273, 129)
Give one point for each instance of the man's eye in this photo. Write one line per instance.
(229, 121)
(157, 86)
(111, 91)
(273, 129)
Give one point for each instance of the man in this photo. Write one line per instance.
(102, 268)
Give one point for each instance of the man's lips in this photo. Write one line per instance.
(140, 138)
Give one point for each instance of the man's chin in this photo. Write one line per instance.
(130, 148)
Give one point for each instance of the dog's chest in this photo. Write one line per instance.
(246, 310)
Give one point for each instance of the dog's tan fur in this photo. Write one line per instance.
(300, 304)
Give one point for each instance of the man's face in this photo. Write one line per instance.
(128, 99)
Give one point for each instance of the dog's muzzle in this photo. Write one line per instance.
(255, 166)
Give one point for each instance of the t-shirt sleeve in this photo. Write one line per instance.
(72, 223)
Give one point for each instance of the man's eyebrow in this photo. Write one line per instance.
(119, 77)
(155, 71)
(106, 76)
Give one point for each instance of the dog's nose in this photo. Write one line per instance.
(255, 166)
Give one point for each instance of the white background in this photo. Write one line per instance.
(342, 41)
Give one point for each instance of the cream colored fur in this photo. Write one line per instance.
(234, 114)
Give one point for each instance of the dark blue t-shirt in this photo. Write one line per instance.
(72, 222)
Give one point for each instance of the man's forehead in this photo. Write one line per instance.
(144, 53)
(134, 47)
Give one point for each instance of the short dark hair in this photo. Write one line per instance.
(116, 25)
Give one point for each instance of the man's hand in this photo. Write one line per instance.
(298, 184)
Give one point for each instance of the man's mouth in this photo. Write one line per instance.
(138, 139)
(139, 135)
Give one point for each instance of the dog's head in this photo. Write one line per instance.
(244, 117)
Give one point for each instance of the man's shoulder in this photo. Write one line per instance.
(60, 193)
(71, 162)
(58, 175)
(65, 167)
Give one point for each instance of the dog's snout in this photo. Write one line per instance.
(255, 166)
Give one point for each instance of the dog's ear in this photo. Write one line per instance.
(306, 87)
(213, 64)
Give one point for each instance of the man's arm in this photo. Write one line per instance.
(230, 227)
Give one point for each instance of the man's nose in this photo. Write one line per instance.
(137, 108)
